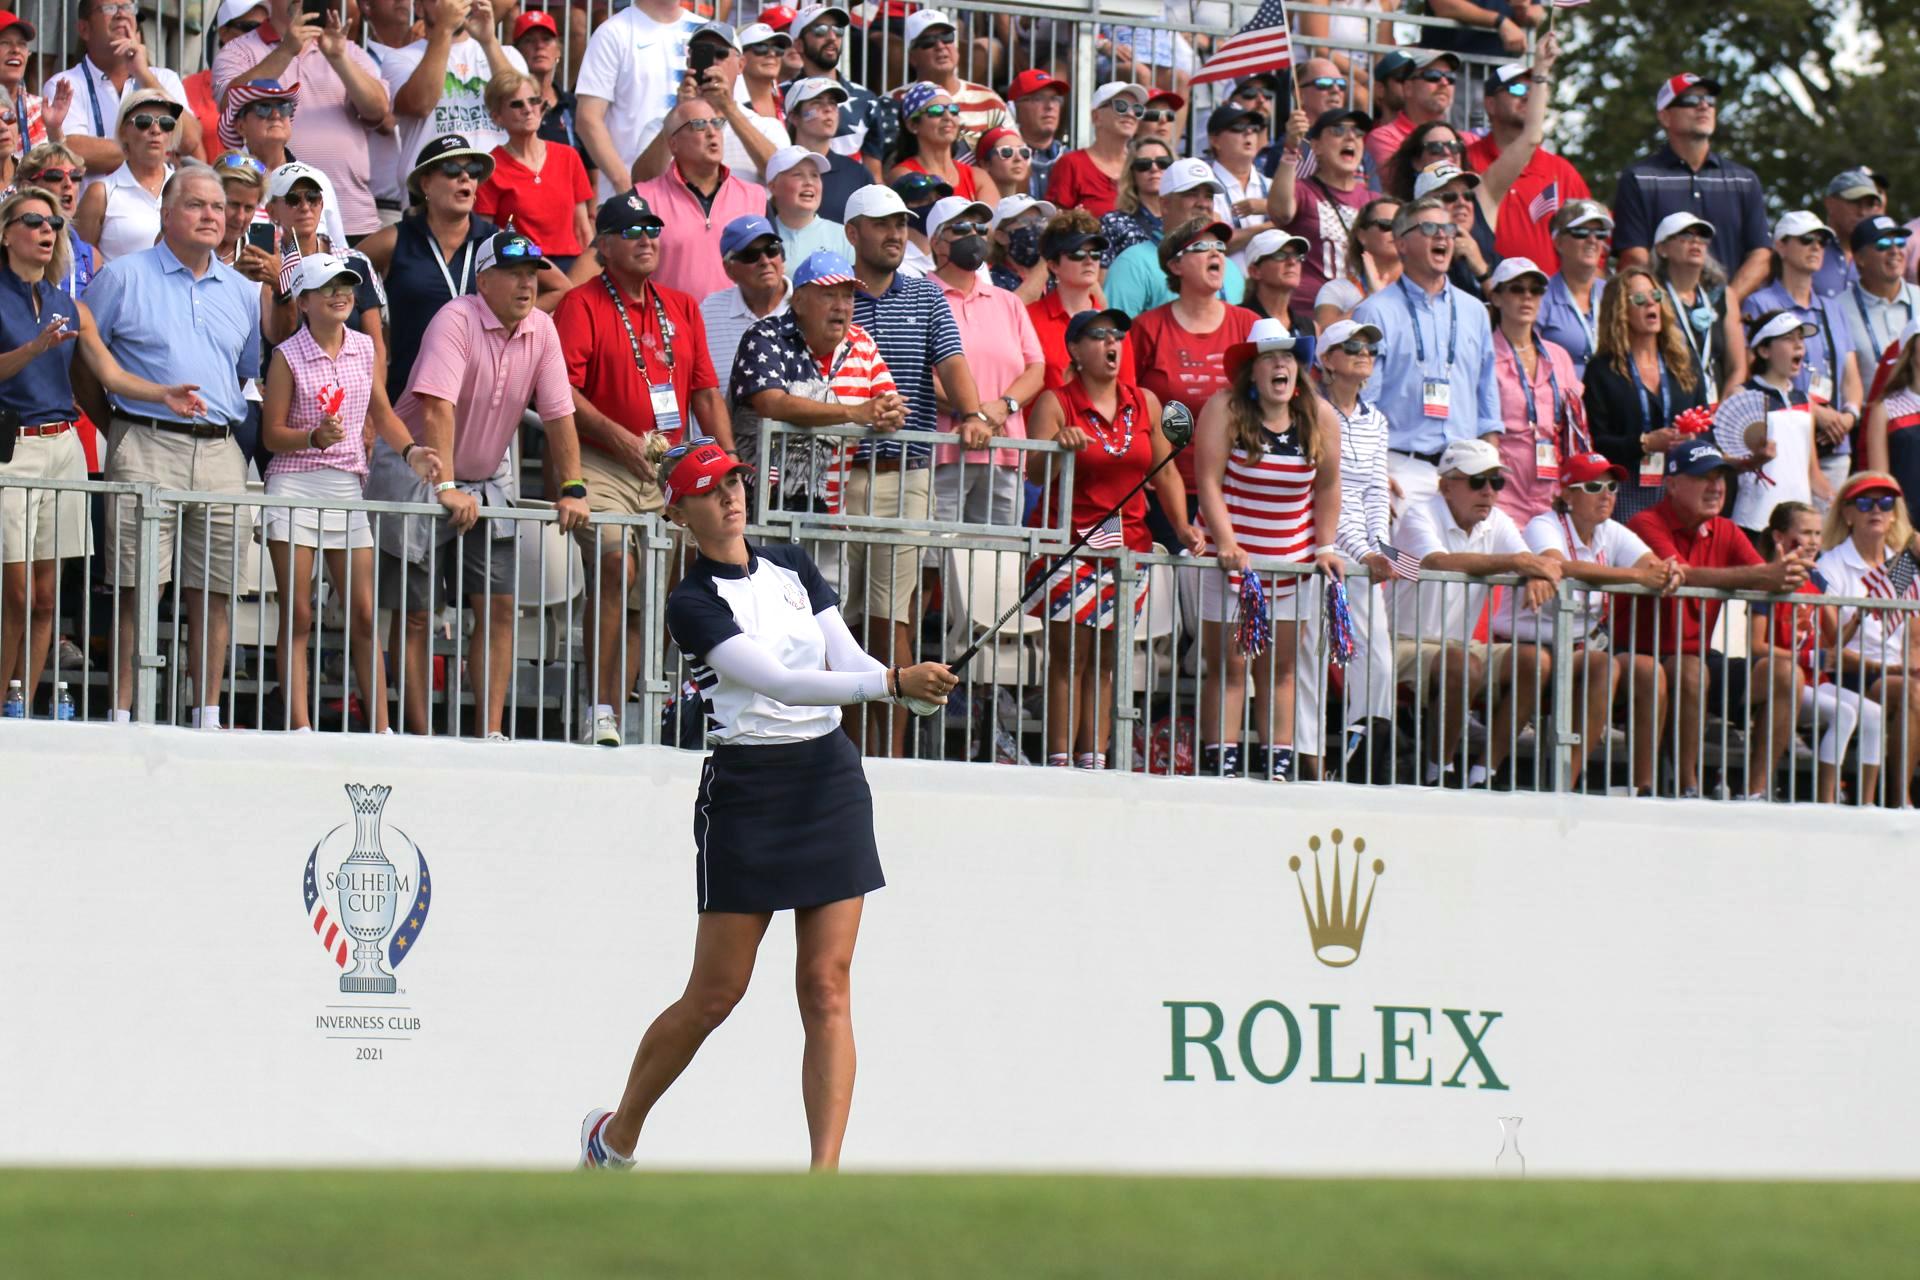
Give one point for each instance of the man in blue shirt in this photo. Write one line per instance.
(1434, 377)
(176, 314)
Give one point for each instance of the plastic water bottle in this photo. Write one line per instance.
(63, 708)
(15, 707)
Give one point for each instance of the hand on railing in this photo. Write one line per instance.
(1542, 574)
(573, 514)
(885, 412)
(1379, 568)
(463, 509)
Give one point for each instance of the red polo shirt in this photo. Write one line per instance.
(1717, 544)
(599, 356)
(1049, 316)
(1519, 235)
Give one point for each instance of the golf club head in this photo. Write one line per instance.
(1176, 423)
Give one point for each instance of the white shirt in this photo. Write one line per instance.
(383, 149)
(1256, 187)
(635, 65)
(1612, 544)
(93, 115)
(1849, 575)
(462, 110)
(727, 316)
(1445, 610)
(132, 218)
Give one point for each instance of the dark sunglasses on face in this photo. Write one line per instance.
(1693, 100)
(1285, 256)
(748, 257)
(1145, 163)
(1585, 233)
(1343, 130)
(268, 110)
(301, 199)
(1595, 486)
(1324, 83)
(1377, 224)
(1014, 153)
(1433, 76)
(526, 104)
(1247, 126)
(1158, 115)
(1082, 255)
(1104, 333)
(1253, 92)
(1451, 197)
(765, 49)
(65, 175)
(1807, 241)
(1874, 502)
(1483, 481)
(241, 27)
(143, 122)
(475, 169)
(1695, 233)
(39, 220)
(1434, 147)
(960, 230)
(1528, 290)
(645, 231)
(934, 40)
(1358, 347)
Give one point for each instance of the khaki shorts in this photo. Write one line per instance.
(36, 524)
(210, 535)
(1419, 660)
(888, 575)
(614, 489)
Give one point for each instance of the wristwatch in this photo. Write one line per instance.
(976, 414)
(1013, 406)
(574, 489)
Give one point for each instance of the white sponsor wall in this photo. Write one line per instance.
(1661, 988)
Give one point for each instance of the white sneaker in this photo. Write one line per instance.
(498, 737)
(605, 729)
(593, 1151)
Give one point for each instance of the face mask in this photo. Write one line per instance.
(968, 252)
(1023, 245)
(917, 219)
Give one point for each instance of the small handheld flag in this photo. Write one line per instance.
(1261, 45)
(1546, 204)
(1405, 564)
(289, 264)
(1105, 536)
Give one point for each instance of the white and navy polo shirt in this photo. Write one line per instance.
(771, 600)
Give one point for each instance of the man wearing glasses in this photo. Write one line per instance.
(868, 124)
(1851, 198)
(1547, 183)
(1428, 77)
(933, 55)
(341, 98)
(115, 64)
(1685, 176)
(1039, 101)
(695, 199)
(1881, 306)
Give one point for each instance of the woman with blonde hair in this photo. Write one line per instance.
(1870, 553)
(1136, 214)
(537, 188)
(1269, 471)
(1641, 377)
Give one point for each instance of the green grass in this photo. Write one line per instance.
(411, 1226)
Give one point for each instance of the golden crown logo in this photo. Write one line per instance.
(1336, 930)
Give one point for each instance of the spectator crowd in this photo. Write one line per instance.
(361, 248)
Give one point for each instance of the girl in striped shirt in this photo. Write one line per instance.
(1269, 470)
(323, 405)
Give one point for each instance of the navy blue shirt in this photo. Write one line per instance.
(844, 176)
(42, 392)
(1724, 193)
(914, 329)
(417, 289)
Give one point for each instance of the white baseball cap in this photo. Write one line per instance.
(1779, 327)
(281, 180)
(1118, 89)
(945, 211)
(1272, 241)
(759, 33)
(1674, 223)
(1469, 458)
(810, 88)
(1513, 269)
(1801, 222)
(918, 22)
(231, 9)
(1013, 206)
(1185, 175)
(874, 201)
(814, 12)
(1341, 330)
(789, 156)
(1431, 180)
(318, 269)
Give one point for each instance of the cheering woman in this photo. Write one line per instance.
(784, 820)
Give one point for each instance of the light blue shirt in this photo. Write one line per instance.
(1135, 282)
(1400, 372)
(1875, 323)
(1560, 321)
(165, 326)
(821, 233)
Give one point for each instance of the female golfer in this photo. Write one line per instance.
(783, 819)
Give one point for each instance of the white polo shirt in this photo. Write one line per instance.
(636, 65)
(1878, 637)
(727, 316)
(1445, 610)
(1612, 544)
(96, 104)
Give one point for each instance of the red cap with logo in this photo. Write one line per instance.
(533, 20)
(1033, 80)
(1869, 482)
(1583, 467)
(701, 468)
(1677, 85)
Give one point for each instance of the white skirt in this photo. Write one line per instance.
(41, 524)
(329, 530)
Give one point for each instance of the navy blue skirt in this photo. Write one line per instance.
(784, 826)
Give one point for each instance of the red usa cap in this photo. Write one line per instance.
(699, 469)
(1582, 467)
(1679, 84)
(1033, 80)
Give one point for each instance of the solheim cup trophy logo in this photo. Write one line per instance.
(366, 898)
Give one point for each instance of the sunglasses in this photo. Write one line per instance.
(1434, 147)
(916, 186)
(301, 199)
(747, 257)
(231, 160)
(39, 220)
(143, 122)
(1247, 126)
(1102, 333)
(1594, 486)
(1451, 197)
(701, 125)
(961, 230)
(1014, 153)
(1253, 92)
(1694, 233)
(268, 110)
(1082, 255)
(1153, 162)
(934, 40)
(1808, 241)
(1484, 481)
(1205, 246)
(821, 30)
(526, 104)
(475, 169)
(1587, 233)
(1377, 224)
(1439, 77)
(1879, 502)
(1693, 100)
(765, 49)
(77, 175)
(645, 231)
(1518, 88)
(115, 10)
(1524, 290)
(1345, 129)
(938, 109)
(1640, 299)
(1358, 347)
(1327, 82)
(332, 290)
(1158, 115)
(1884, 242)
(1126, 107)
(1437, 230)
(1285, 255)
(240, 28)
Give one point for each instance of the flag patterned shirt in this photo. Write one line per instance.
(1881, 635)
(774, 356)
(1269, 502)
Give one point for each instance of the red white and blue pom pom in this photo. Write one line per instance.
(1256, 627)
(1339, 624)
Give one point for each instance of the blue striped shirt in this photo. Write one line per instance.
(914, 329)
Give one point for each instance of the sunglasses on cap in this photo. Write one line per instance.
(142, 121)
(1594, 486)
(1437, 147)
(938, 109)
(237, 160)
(301, 199)
(39, 220)
(915, 186)
(1485, 481)
(1327, 82)
(1144, 163)
(1013, 153)
(475, 169)
(1694, 100)
(1433, 75)
(645, 231)
(1874, 502)
(934, 39)
(748, 257)
(1159, 115)
(1204, 246)
(517, 249)
(1587, 233)
(1357, 347)
(68, 175)
(268, 110)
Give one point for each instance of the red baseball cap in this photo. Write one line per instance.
(1677, 85)
(532, 20)
(1034, 80)
(1582, 467)
(1166, 95)
(15, 20)
(778, 16)
(1868, 482)
(701, 468)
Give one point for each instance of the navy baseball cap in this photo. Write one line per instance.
(1868, 230)
(743, 231)
(1078, 326)
(621, 212)
(1696, 457)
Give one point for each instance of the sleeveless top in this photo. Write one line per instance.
(1903, 441)
(316, 377)
(1269, 503)
(1111, 464)
(417, 289)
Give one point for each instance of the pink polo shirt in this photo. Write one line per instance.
(468, 357)
(1000, 342)
(690, 245)
(327, 132)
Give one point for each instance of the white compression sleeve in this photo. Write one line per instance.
(843, 651)
(742, 660)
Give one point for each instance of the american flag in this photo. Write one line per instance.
(1546, 204)
(1261, 45)
(1405, 563)
(1893, 580)
(1883, 371)
(289, 264)
(1105, 536)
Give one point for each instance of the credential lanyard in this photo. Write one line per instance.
(1646, 400)
(1453, 325)
(440, 260)
(1526, 386)
(93, 96)
(633, 339)
(1866, 318)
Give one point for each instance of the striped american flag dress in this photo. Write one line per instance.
(1269, 502)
